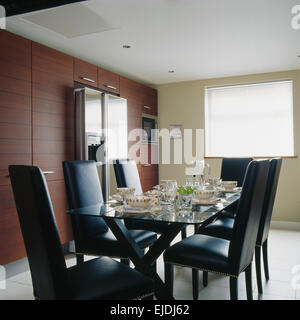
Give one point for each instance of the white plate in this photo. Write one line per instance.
(206, 202)
(125, 209)
(234, 190)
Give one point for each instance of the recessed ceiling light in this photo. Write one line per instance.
(171, 71)
(126, 46)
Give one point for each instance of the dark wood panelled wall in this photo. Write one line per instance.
(37, 124)
(53, 124)
(15, 134)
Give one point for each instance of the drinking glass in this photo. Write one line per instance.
(189, 182)
(199, 182)
(206, 172)
(170, 184)
(184, 203)
(168, 198)
(216, 182)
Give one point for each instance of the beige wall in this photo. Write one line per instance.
(183, 103)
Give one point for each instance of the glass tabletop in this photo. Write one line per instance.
(198, 214)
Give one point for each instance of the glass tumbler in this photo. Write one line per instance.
(185, 203)
(168, 198)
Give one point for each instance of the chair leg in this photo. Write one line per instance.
(265, 257)
(183, 233)
(154, 266)
(258, 269)
(233, 288)
(79, 259)
(248, 272)
(169, 277)
(125, 261)
(205, 278)
(195, 276)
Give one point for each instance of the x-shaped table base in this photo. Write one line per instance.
(143, 263)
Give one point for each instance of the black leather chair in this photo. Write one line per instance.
(101, 278)
(202, 252)
(91, 234)
(127, 176)
(233, 169)
(223, 227)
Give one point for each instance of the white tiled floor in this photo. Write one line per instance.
(284, 254)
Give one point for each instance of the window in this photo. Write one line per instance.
(249, 120)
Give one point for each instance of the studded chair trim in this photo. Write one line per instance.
(207, 270)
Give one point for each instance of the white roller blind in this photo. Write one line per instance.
(249, 120)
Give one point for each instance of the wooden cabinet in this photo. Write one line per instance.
(146, 155)
(15, 50)
(149, 176)
(37, 125)
(148, 166)
(129, 90)
(53, 124)
(108, 81)
(149, 100)
(85, 73)
(15, 135)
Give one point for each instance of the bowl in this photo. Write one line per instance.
(229, 185)
(124, 192)
(153, 193)
(204, 194)
(140, 202)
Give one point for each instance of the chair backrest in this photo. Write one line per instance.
(234, 169)
(272, 183)
(83, 189)
(40, 233)
(248, 215)
(127, 175)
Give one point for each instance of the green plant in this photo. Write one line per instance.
(183, 190)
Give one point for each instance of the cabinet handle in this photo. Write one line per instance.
(146, 165)
(110, 87)
(87, 79)
(48, 172)
(147, 107)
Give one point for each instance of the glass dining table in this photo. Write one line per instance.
(175, 221)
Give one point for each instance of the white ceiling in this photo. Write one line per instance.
(198, 39)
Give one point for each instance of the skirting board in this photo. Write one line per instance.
(20, 266)
(285, 225)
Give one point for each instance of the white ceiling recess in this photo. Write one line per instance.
(73, 20)
(198, 39)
